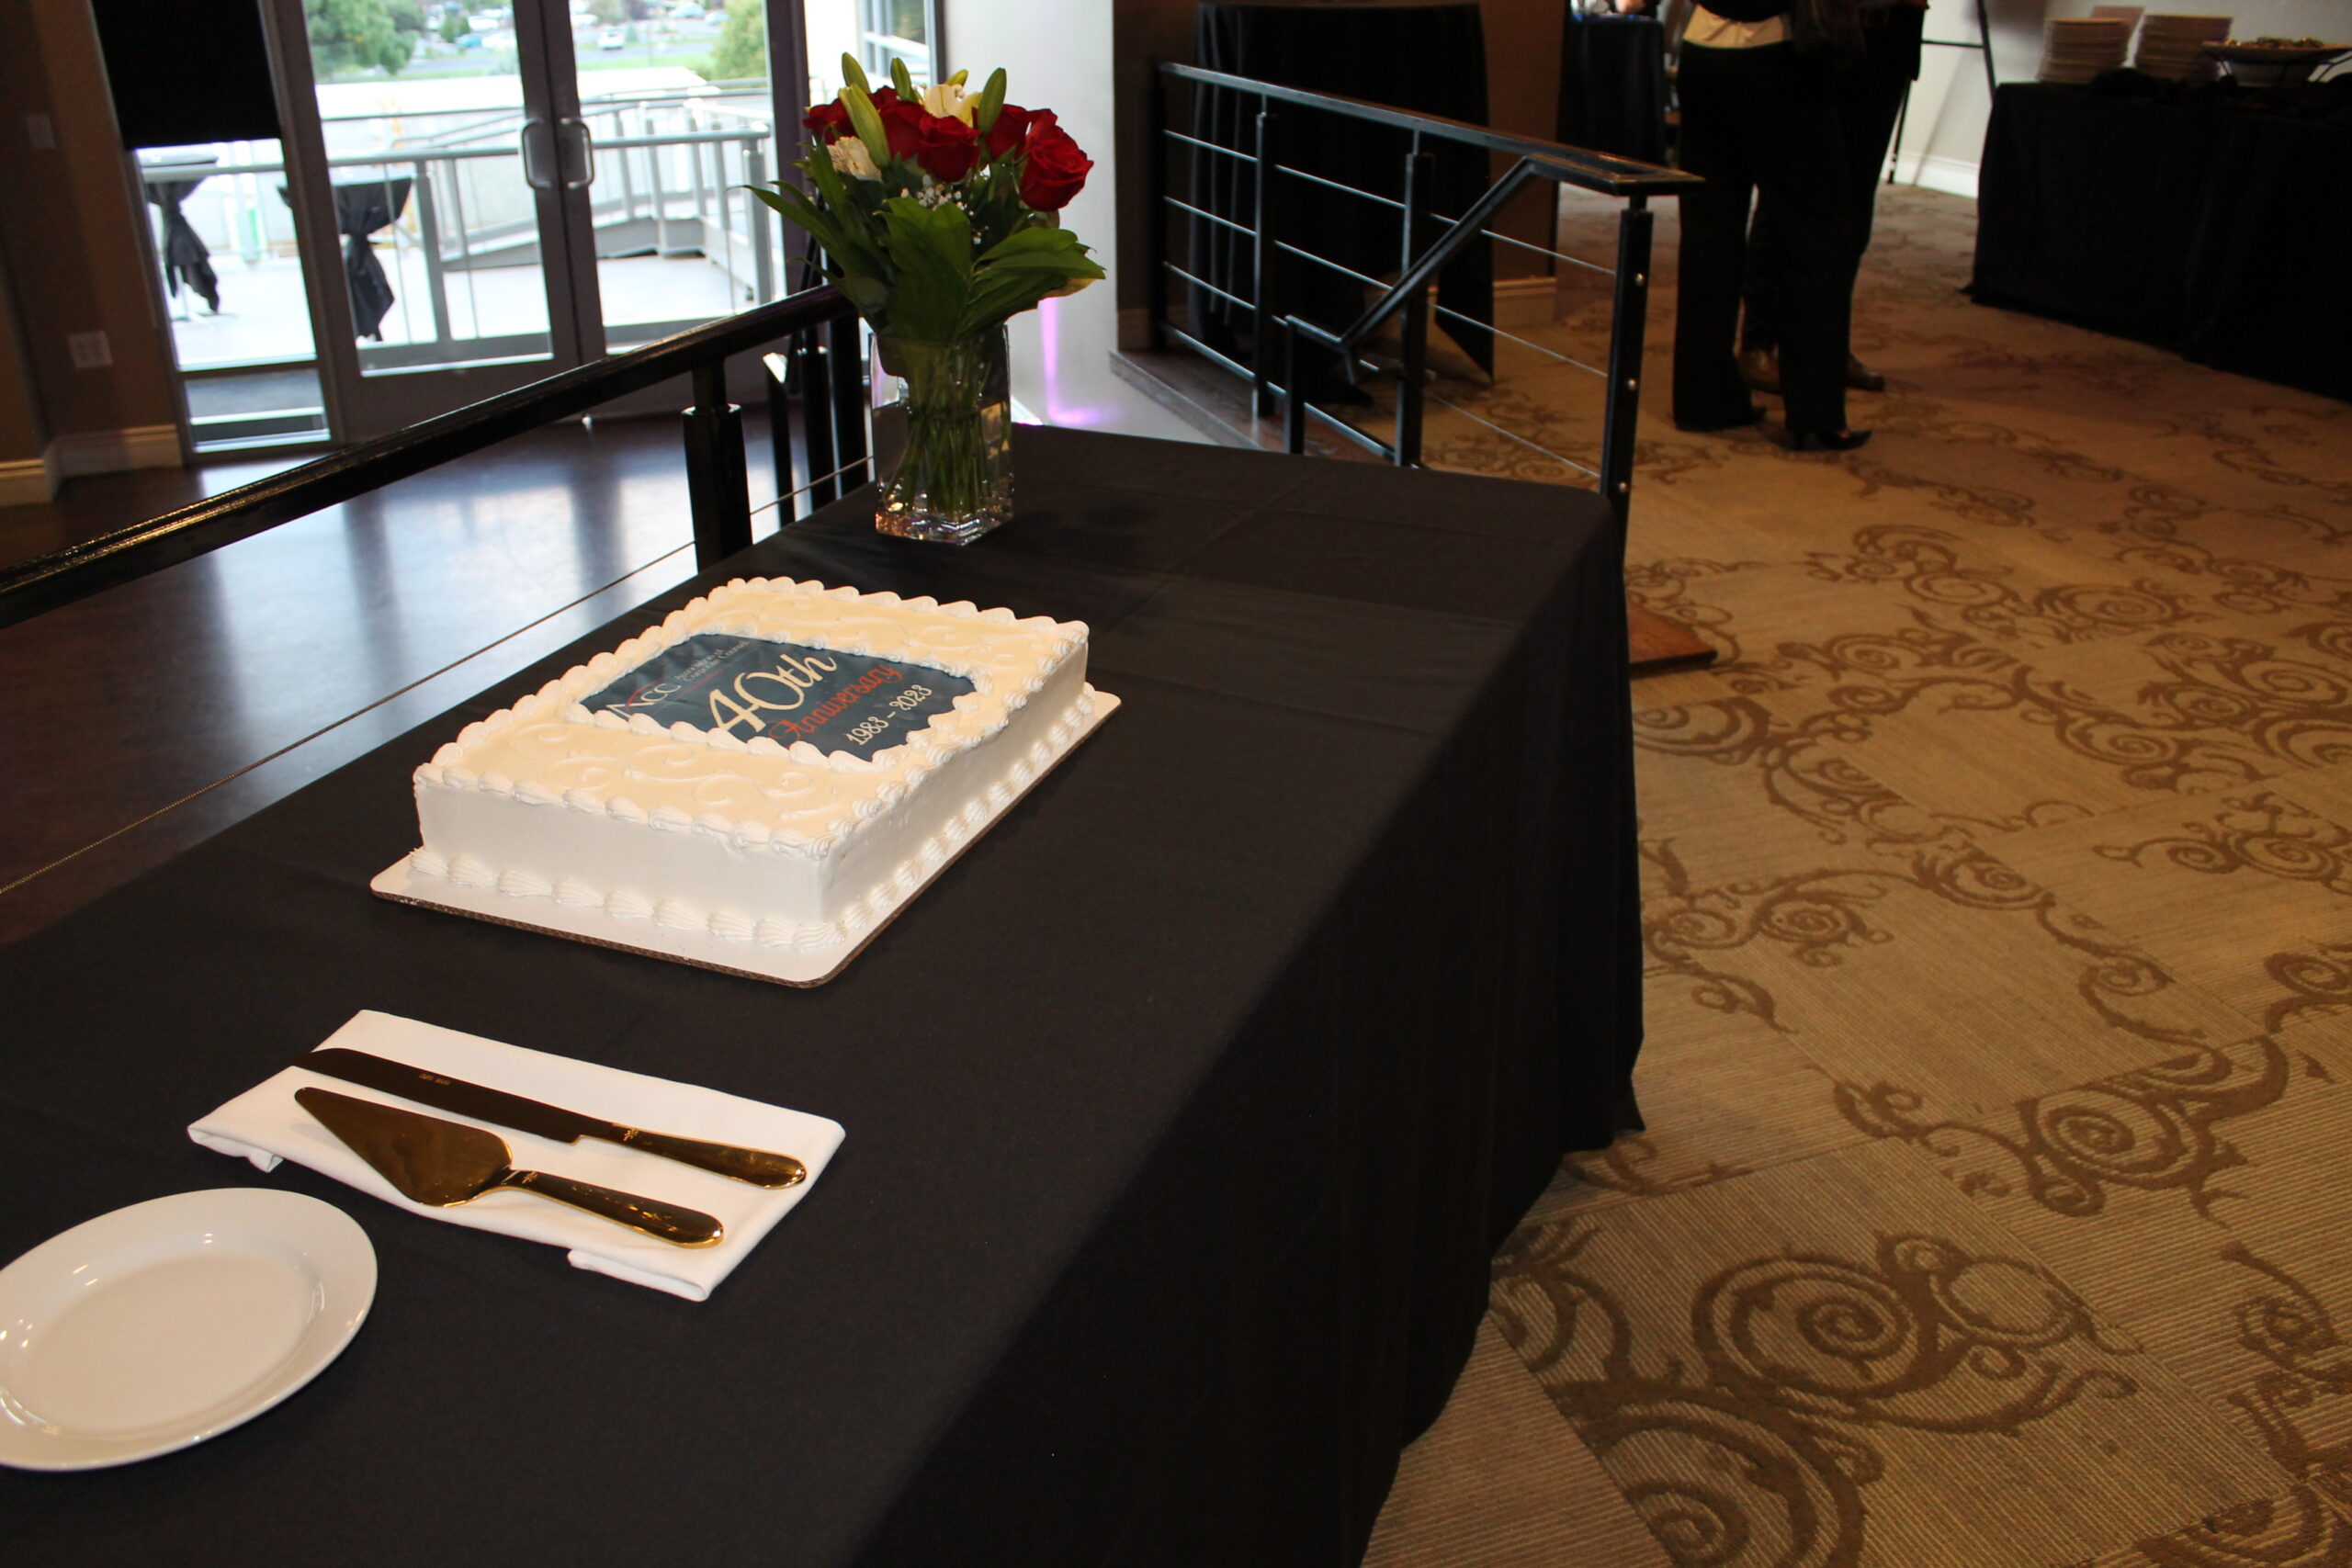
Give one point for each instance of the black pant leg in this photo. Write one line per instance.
(1797, 154)
(1759, 290)
(1707, 387)
(1870, 101)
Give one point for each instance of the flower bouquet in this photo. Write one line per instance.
(936, 213)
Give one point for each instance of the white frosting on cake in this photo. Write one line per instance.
(697, 830)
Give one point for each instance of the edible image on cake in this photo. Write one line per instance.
(749, 687)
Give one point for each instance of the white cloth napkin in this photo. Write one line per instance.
(265, 1126)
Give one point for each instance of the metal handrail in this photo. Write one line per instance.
(715, 455)
(1429, 243)
(1580, 166)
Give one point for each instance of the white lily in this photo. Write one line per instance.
(950, 100)
(850, 158)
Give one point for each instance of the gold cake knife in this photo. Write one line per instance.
(758, 1166)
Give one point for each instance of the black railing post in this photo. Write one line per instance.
(1629, 313)
(781, 378)
(845, 369)
(817, 393)
(716, 491)
(1293, 395)
(1156, 304)
(846, 382)
(1263, 264)
(1414, 328)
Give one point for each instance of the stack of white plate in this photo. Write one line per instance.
(2076, 49)
(2170, 47)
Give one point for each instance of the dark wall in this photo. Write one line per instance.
(187, 72)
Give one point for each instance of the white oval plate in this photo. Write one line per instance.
(169, 1322)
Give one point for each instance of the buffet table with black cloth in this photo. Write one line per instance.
(1183, 1110)
(2215, 221)
(1429, 58)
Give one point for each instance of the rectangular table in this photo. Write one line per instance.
(2196, 221)
(1184, 1110)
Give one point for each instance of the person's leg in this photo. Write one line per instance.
(1869, 102)
(1797, 156)
(1759, 292)
(1708, 391)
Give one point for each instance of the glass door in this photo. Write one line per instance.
(432, 177)
(516, 187)
(486, 192)
(676, 104)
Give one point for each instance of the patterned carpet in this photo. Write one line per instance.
(1998, 914)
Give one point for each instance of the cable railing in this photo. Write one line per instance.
(820, 371)
(1256, 274)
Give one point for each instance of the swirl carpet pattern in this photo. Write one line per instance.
(1997, 909)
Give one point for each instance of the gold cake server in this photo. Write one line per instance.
(447, 1163)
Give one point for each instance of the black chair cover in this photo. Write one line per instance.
(187, 261)
(363, 207)
(1430, 58)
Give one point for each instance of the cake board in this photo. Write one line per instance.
(783, 965)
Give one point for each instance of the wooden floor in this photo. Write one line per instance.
(234, 679)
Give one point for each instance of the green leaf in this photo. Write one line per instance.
(846, 236)
(901, 78)
(992, 102)
(1022, 240)
(870, 294)
(959, 78)
(931, 248)
(855, 74)
(868, 120)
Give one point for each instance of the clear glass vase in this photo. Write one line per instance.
(947, 407)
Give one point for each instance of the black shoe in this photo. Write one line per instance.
(1862, 378)
(1755, 413)
(1760, 368)
(1827, 440)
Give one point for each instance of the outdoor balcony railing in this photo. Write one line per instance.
(668, 175)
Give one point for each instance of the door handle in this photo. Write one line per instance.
(578, 154)
(538, 152)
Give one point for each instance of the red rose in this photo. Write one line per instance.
(828, 122)
(902, 123)
(1056, 171)
(1011, 125)
(949, 148)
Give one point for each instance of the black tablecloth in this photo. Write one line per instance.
(1428, 58)
(2214, 222)
(1183, 1110)
(1612, 84)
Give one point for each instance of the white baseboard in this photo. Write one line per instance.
(1954, 176)
(1524, 301)
(112, 451)
(26, 482)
